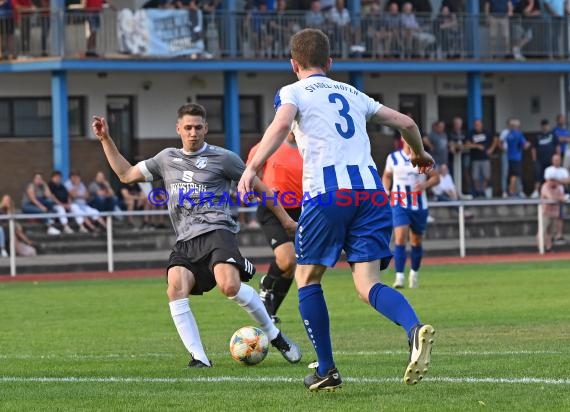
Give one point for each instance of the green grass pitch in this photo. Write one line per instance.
(502, 343)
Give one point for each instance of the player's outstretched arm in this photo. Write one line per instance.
(126, 172)
(288, 224)
(274, 135)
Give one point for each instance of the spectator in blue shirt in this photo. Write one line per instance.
(563, 136)
(544, 147)
(516, 143)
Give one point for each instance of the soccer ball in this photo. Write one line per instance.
(249, 345)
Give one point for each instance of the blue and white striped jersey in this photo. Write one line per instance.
(404, 179)
(330, 129)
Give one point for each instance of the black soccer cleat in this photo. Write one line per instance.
(195, 363)
(420, 353)
(330, 382)
(289, 349)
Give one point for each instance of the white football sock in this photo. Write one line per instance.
(248, 299)
(188, 329)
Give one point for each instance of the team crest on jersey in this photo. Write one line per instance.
(201, 162)
(187, 176)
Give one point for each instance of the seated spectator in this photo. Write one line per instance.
(3, 251)
(314, 17)
(102, 195)
(526, 14)
(379, 32)
(551, 190)
(445, 190)
(79, 195)
(63, 199)
(416, 39)
(38, 198)
(24, 246)
(135, 199)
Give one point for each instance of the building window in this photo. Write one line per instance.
(32, 117)
(249, 113)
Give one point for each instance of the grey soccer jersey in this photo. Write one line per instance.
(198, 186)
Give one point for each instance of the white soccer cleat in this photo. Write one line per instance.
(399, 282)
(413, 279)
(420, 352)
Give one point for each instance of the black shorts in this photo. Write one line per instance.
(272, 228)
(515, 168)
(202, 253)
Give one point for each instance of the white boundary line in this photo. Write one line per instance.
(275, 379)
(84, 356)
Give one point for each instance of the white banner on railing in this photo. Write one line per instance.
(154, 32)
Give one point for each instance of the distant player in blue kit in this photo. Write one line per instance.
(340, 181)
(409, 210)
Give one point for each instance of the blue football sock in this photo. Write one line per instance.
(400, 258)
(392, 304)
(416, 257)
(315, 317)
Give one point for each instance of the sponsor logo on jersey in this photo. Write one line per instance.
(201, 162)
(187, 176)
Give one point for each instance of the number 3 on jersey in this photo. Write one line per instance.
(349, 132)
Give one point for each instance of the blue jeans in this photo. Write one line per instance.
(31, 208)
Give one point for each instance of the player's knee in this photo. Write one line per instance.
(174, 293)
(229, 289)
(286, 262)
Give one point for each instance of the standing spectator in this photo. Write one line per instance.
(505, 157)
(79, 196)
(559, 174)
(554, 12)
(379, 32)
(24, 246)
(460, 154)
(437, 144)
(551, 190)
(39, 199)
(448, 33)
(102, 196)
(393, 23)
(23, 11)
(340, 19)
(515, 144)
(498, 13)
(544, 147)
(481, 144)
(563, 136)
(43, 6)
(93, 10)
(7, 50)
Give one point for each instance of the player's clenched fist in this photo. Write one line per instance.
(423, 161)
(100, 128)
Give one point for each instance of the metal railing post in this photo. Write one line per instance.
(12, 233)
(540, 230)
(462, 230)
(110, 258)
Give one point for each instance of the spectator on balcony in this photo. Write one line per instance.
(554, 12)
(101, 195)
(43, 6)
(437, 144)
(545, 145)
(7, 50)
(340, 33)
(525, 15)
(79, 195)
(393, 23)
(314, 18)
(23, 14)
(38, 198)
(498, 13)
(481, 144)
(93, 10)
(282, 27)
(24, 246)
(448, 33)
(257, 24)
(380, 34)
(416, 39)
(561, 176)
(515, 143)
(455, 6)
(563, 135)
